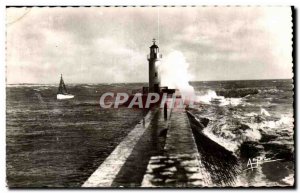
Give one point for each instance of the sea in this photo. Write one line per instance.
(60, 143)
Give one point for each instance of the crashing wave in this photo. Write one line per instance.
(207, 97)
(232, 134)
(273, 124)
(211, 97)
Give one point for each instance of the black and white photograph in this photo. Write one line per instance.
(150, 97)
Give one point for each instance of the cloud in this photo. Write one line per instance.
(94, 45)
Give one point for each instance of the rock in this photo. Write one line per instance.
(266, 137)
(237, 93)
(280, 151)
(250, 149)
(244, 127)
(204, 121)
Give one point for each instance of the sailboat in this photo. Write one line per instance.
(62, 92)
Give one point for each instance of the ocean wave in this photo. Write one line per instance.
(231, 134)
(207, 97)
(232, 102)
(269, 122)
(252, 114)
(211, 97)
(270, 91)
(39, 89)
(87, 86)
(273, 124)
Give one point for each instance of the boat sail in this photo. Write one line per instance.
(62, 92)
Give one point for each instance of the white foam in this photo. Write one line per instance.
(284, 120)
(252, 114)
(211, 97)
(289, 179)
(264, 112)
(227, 142)
(208, 97)
(253, 134)
(231, 101)
(226, 137)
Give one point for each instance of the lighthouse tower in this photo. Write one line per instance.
(154, 58)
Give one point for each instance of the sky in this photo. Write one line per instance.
(110, 44)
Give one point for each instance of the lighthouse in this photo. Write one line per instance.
(154, 59)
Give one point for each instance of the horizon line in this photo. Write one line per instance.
(147, 82)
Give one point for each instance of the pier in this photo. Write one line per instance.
(159, 152)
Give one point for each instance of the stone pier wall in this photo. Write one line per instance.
(180, 165)
(158, 152)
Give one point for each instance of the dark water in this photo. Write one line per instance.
(53, 143)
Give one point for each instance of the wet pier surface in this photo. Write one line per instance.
(151, 144)
(165, 152)
(180, 165)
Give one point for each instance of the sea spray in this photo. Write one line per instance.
(231, 134)
(207, 97)
(174, 74)
(210, 96)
